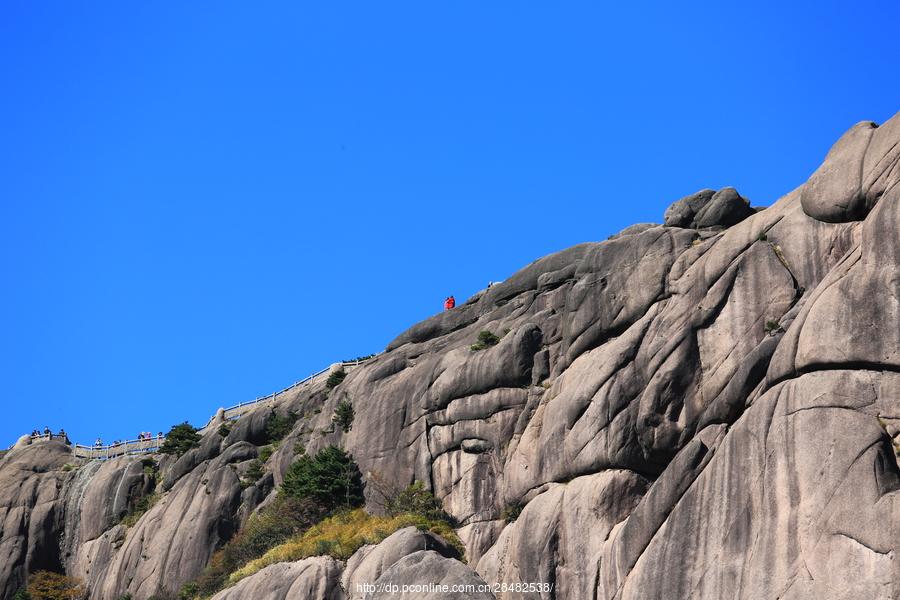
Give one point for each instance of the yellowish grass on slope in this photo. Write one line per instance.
(343, 534)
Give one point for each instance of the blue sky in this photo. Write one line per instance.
(203, 202)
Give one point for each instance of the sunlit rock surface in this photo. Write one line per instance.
(708, 408)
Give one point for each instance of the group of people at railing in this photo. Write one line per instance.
(146, 440)
(144, 436)
(49, 435)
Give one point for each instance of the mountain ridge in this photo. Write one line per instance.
(713, 399)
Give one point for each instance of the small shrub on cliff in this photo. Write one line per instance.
(335, 379)
(330, 478)
(343, 415)
(151, 469)
(511, 512)
(21, 594)
(140, 508)
(180, 439)
(225, 429)
(265, 453)
(486, 339)
(416, 500)
(277, 426)
(188, 591)
(45, 585)
(772, 327)
(254, 473)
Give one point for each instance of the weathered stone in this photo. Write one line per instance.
(316, 578)
(708, 208)
(369, 562)
(682, 212)
(834, 192)
(724, 209)
(424, 574)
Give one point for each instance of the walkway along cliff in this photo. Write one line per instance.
(707, 408)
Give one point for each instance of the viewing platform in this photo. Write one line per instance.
(153, 443)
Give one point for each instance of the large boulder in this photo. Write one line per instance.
(369, 562)
(860, 168)
(708, 208)
(427, 575)
(316, 578)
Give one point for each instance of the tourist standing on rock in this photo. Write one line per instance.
(449, 303)
(46, 431)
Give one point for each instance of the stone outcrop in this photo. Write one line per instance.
(706, 408)
(316, 578)
(708, 208)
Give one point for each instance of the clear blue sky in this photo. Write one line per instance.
(203, 202)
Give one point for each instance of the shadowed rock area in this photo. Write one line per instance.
(708, 408)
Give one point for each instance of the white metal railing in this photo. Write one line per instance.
(153, 443)
(138, 446)
(236, 411)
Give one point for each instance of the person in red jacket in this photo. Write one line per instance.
(449, 303)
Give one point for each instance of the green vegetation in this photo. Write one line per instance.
(180, 439)
(343, 415)
(335, 379)
(772, 327)
(343, 534)
(265, 453)
(256, 469)
(284, 518)
(254, 473)
(415, 499)
(360, 358)
(278, 427)
(294, 525)
(511, 512)
(69, 467)
(188, 591)
(224, 429)
(330, 479)
(486, 339)
(21, 594)
(144, 504)
(762, 237)
(150, 468)
(46, 585)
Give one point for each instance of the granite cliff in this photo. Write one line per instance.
(707, 408)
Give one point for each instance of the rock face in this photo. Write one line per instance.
(708, 408)
(314, 578)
